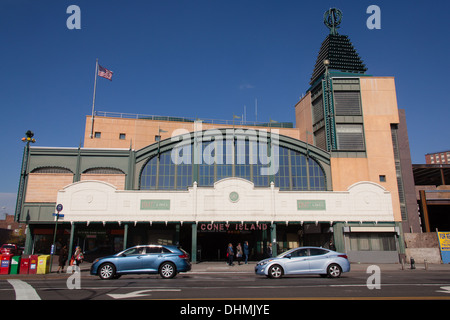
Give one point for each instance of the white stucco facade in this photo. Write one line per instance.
(229, 200)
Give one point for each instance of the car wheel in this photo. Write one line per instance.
(107, 271)
(167, 270)
(275, 271)
(334, 271)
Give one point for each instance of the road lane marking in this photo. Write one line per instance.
(23, 290)
(140, 293)
(445, 289)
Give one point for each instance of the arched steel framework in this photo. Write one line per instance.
(209, 156)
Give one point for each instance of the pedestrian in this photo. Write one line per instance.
(78, 257)
(230, 254)
(246, 251)
(63, 256)
(239, 253)
(269, 251)
(331, 245)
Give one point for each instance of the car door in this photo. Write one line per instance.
(318, 259)
(150, 261)
(297, 262)
(131, 260)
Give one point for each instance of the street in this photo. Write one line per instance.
(218, 281)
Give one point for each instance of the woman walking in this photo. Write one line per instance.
(239, 253)
(78, 256)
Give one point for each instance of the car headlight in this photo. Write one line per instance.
(263, 263)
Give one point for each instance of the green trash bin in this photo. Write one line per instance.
(15, 265)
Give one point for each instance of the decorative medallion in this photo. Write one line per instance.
(234, 196)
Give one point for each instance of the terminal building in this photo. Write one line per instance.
(338, 178)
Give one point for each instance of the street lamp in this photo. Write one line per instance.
(23, 174)
(326, 63)
(29, 137)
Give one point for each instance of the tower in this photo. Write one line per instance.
(336, 101)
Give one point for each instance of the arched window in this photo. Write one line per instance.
(160, 173)
(103, 170)
(295, 171)
(52, 170)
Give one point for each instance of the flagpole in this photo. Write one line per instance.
(93, 100)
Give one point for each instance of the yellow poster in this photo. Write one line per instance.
(444, 241)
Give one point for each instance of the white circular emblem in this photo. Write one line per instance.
(234, 196)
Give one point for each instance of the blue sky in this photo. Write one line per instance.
(206, 59)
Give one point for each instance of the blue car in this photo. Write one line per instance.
(305, 260)
(162, 259)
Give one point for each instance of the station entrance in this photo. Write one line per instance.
(213, 239)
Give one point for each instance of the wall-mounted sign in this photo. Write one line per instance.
(311, 205)
(444, 245)
(155, 204)
(231, 227)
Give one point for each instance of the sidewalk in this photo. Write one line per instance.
(214, 267)
(220, 267)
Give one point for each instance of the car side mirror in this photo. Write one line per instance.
(288, 256)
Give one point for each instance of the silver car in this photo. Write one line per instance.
(305, 260)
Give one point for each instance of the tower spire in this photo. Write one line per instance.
(337, 49)
(332, 19)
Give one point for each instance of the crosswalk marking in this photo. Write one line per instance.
(23, 290)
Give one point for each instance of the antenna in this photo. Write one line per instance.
(256, 110)
(245, 113)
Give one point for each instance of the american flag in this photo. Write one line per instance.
(105, 73)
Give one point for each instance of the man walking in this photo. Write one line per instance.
(230, 254)
(246, 252)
